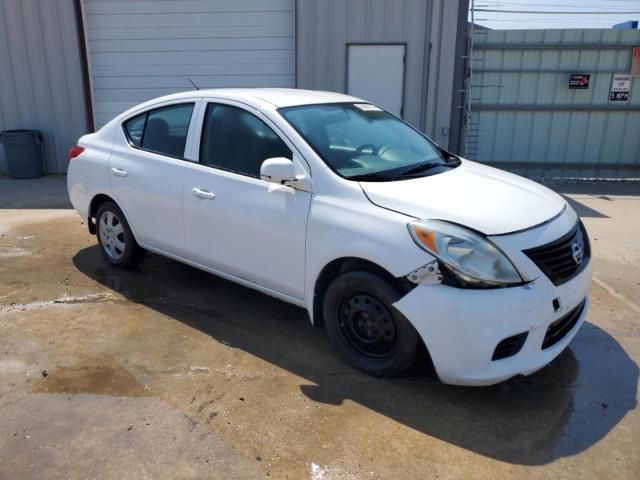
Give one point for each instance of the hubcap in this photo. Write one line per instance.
(368, 325)
(111, 235)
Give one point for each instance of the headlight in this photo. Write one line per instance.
(471, 257)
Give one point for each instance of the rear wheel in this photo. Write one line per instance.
(364, 327)
(115, 238)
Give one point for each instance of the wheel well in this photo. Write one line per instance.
(93, 209)
(349, 264)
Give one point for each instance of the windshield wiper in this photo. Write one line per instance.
(423, 167)
(410, 172)
(372, 177)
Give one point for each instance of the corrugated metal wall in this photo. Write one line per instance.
(142, 49)
(525, 118)
(40, 75)
(325, 27)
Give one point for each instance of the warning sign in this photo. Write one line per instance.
(579, 81)
(620, 87)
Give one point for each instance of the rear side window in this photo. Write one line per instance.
(163, 130)
(235, 140)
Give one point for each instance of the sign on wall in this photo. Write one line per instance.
(620, 87)
(635, 62)
(579, 81)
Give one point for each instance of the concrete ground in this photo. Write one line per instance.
(168, 372)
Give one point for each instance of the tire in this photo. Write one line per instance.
(118, 246)
(364, 327)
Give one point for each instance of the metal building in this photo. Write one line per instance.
(41, 83)
(71, 65)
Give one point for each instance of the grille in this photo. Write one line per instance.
(558, 329)
(509, 346)
(563, 259)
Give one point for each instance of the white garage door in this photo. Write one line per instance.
(141, 49)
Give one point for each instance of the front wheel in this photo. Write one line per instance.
(364, 327)
(116, 240)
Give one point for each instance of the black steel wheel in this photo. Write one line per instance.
(367, 325)
(364, 327)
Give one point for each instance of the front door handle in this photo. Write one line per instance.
(119, 172)
(206, 194)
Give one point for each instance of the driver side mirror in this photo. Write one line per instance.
(282, 171)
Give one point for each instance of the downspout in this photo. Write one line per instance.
(84, 59)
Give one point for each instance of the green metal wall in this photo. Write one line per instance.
(523, 116)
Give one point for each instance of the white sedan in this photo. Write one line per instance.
(328, 202)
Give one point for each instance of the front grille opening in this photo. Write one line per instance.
(559, 329)
(509, 346)
(559, 259)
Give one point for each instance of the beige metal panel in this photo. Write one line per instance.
(326, 27)
(441, 68)
(41, 75)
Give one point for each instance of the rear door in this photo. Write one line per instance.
(234, 221)
(147, 166)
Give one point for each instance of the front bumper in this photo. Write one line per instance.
(461, 328)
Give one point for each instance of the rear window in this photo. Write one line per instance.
(163, 130)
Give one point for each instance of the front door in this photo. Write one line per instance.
(234, 221)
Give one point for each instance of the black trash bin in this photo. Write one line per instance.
(23, 149)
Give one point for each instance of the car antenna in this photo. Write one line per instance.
(194, 84)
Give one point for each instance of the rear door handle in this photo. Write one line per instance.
(118, 172)
(206, 194)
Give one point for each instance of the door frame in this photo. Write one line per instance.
(379, 44)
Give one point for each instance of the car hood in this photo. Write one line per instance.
(483, 198)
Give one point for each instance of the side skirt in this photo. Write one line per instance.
(241, 281)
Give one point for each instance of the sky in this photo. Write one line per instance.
(526, 20)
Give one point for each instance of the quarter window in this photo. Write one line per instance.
(163, 130)
(235, 140)
(134, 129)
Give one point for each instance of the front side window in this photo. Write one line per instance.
(235, 140)
(163, 130)
(362, 142)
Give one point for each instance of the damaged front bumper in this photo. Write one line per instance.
(461, 328)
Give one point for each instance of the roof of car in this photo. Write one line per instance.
(278, 97)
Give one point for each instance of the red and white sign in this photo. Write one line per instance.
(635, 62)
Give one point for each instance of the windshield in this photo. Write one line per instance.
(360, 141)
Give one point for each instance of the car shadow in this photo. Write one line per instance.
(558, 412)
(583, 210)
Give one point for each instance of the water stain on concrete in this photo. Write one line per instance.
(110, 380)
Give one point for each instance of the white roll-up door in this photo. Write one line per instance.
(141, 49)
